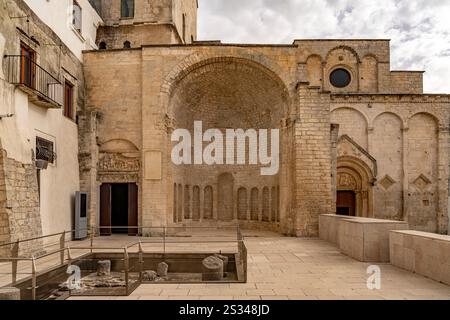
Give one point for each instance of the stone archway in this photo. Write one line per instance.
(354, 176)
(229, 93)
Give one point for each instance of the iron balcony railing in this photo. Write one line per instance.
(26, 73)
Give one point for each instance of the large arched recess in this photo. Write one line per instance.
(231, 93)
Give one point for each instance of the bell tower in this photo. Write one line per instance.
(133, 23)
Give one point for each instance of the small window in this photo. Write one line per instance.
(340, 78)
(77, 21)
(45, 150)
(127, 44)
(68, 100)
(127, 9)
(102, 45)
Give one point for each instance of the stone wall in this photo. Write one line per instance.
(206, 82)
(154, 22)
(19, 205)
(407, 81)
(313, 159)
(53, 213)
(407, 182)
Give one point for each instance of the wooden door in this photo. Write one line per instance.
(27, 66)
(346, 203)
(105, 209)
(132, 209)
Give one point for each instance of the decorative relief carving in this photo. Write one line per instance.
(364, 195)
(116, 168)
(118, 178)
(112, 162)
(346, 181)
(422, 182)
(387, 182)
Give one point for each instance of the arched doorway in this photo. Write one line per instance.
(354, 188)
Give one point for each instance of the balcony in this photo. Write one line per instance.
(43, 89)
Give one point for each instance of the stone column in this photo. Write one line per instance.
(249, 203)
(313, 190)
(334, 140)
(260, 204)
(215, 202)
(202, 202)
(405, 182)
(2, 48)
(370, 139)
(443, 173)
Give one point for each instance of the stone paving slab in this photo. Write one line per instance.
(281, 268)
(292, 269)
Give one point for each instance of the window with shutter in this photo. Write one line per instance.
(77, 14)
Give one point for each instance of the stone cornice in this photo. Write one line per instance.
(392, 98)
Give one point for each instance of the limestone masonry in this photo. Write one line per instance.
(356, 138)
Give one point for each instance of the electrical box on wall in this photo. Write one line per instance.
(81, 208)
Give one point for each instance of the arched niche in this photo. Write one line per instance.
(118, 146)
(342, 57)
(352, 123)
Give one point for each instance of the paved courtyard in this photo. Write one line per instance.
(293, 268)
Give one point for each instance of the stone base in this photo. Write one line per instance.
(364, 239)
(9, 294)
(427, 254)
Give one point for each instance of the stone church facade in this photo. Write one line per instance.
(355, 137)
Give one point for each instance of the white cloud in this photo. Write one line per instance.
(419, 29)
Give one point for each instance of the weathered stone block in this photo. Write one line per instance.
(212, 269)
(162, 269)
(9, 294)
(104, 268)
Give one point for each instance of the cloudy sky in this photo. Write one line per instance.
(419, 29)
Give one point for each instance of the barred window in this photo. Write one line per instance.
(45, 150)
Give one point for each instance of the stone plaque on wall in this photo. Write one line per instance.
(153, 165)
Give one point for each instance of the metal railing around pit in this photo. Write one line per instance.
(64, 248)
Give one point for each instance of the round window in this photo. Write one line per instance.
(340, 78)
